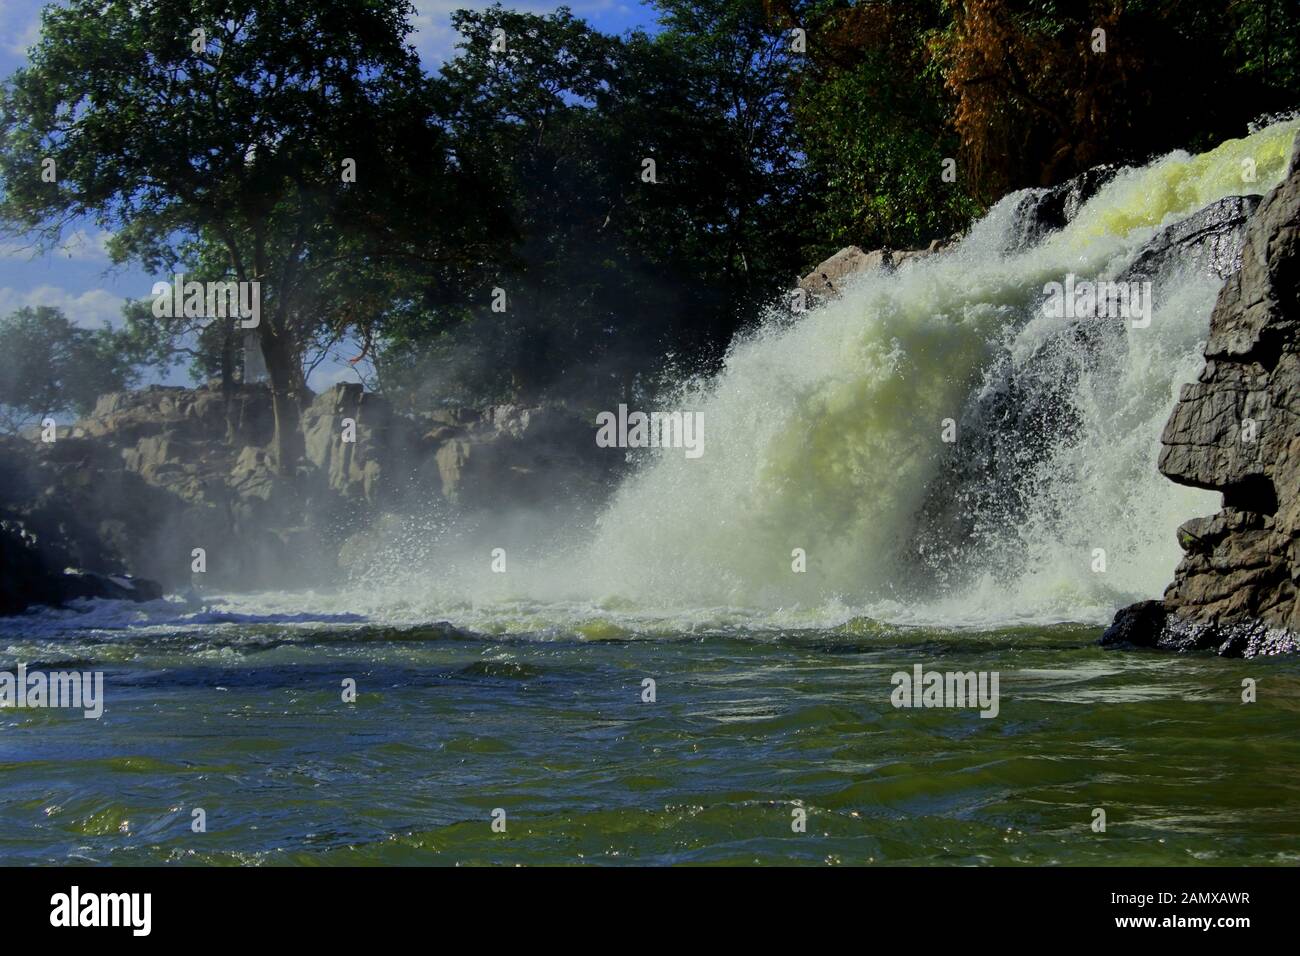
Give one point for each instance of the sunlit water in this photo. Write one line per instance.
(523, 692)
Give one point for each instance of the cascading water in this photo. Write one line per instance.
(825, 434)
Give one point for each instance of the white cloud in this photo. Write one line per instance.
(432, 33)
(79, 246)
(330, 373)
(92, 309)
(83, 246)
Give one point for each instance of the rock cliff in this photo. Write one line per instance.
(1237, 431)
(132, 489)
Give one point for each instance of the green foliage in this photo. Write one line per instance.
(606, 274)
(54, 367)
(522, 169)
(874, 119)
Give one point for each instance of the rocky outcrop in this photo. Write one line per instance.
(526, 456)
(1237, 431)
(26, 580)
(364, 450)
(1042, 212)
(177, 485)
(829, 278)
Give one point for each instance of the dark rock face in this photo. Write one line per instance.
(1209, 242)
(1044, 212)
(1237, 431)
(26, 580)
(1138, 625)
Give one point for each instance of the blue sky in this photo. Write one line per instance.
(79, 279)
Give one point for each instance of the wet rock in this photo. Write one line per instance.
(24, 578)
(1045, 211)
(27, 580)
(1209, 242)
(829, 279)
(1138, 625)
(1237, 431)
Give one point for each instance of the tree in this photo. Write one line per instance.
(232, 125)
(613, 275)
(53, 366)
(1045, 89)
(875, 121)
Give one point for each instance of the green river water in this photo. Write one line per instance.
(247, 722)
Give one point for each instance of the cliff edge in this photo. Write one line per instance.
(1237, 431)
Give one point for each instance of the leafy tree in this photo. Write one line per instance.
(1042, 95)
(875, 120)
(612, 278)
(238, 143)
(53, 366)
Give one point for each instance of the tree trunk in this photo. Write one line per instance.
(286, 397)
(228, 380)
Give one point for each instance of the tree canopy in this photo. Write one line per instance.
(557, 211)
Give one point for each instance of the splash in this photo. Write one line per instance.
(826, 434)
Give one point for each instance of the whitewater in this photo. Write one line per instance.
(825, 436)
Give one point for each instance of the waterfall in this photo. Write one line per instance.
(825, 431)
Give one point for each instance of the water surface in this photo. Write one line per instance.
(245, 720)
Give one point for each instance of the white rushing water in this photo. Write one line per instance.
(825, 434)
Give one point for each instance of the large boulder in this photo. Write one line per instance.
(1042, 212)
(1208, 243)
(830, 277)
(1237, 431)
